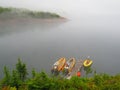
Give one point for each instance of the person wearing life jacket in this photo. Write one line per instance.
(78, 73)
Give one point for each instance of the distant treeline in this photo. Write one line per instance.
(15, 12)
(18, 80)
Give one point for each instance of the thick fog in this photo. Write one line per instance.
(68, 8)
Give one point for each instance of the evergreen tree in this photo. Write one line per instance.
(15, 81)
(33, 73)
(21, 70)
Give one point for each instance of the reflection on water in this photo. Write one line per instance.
(40, 45)
(23, 25)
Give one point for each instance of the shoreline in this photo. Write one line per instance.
(12, 21)
(33, 19)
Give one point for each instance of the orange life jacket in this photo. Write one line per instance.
(78, 74)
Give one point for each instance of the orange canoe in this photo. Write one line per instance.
(59, 65)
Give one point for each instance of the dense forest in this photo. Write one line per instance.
(15, 12)
(20, 79)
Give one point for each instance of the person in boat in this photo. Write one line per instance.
(88, 61)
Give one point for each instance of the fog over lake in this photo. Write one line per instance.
(92, 29)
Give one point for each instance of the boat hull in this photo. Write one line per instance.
(87, 63)
(59, 64)
(71, 65)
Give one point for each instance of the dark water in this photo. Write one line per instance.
(39, 44)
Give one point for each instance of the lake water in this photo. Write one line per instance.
(40, 44)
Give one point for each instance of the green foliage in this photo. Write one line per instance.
(79, 83)
(21, 70)
(27, 13)
(41, 81)
(9, 88)
(4, 10)
(112, 83)
(88, 70)
(42, 14)
(15, 79)
(13, 88)
(33, 73)
(98, 79)
(7, 77)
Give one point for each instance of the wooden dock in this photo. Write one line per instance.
(78, 66)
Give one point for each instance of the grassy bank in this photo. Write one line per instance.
(18, 79)
(15, 12)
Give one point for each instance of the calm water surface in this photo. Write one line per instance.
(39, 44)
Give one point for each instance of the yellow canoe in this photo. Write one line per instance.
(70, 64)
(59, 65)
(87, 63)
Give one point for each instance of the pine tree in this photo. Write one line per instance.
(33, 73)
(15, 81)
(21, 70)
